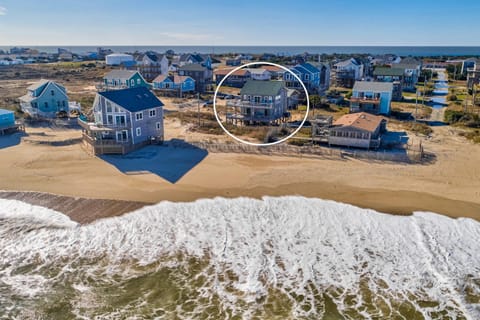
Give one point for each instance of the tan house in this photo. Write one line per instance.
(359, 130)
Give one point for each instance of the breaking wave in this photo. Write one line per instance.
(275, 258)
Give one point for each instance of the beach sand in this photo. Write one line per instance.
(450, 185)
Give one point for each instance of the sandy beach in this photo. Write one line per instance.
(450, 185)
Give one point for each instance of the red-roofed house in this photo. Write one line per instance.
(360, 130)
(236, 79)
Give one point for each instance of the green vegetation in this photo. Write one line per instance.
(466, 119)
(419, 128)
(455, 72)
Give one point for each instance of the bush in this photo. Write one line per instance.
(467, 119)
(452, 97)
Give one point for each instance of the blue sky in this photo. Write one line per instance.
(258, 22)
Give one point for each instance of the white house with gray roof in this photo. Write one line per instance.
(372, 97)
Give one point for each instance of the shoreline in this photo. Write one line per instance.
(87, 210)
(449, 186)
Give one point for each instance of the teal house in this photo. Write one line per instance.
(372, 97)
(124, 79)
(7, 118)
(45, 99)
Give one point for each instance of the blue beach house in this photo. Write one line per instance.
(310, 75)
(372, 97)
(45, 99)
(7, 118)
(180, 84)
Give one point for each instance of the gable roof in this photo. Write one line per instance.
(373, 86)
(43, 84)
(262, 88)
(361, 120)
(38, 84)
(385, 71)
(309, 67)
(272, 68)
(120, 74)
(192, 67)
(347, 62)
(175, 78)
(133, 99)
(161, 78)
(225, 71)
(258, 71)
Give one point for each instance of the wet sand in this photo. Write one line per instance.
(449, 186)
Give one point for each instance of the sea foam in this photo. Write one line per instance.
(368, 263)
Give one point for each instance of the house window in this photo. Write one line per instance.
(64, 103)
(46, 105)
(138, 81)
(287, 76)
(132, 82)
(52, 92)
(307, 77)
(152, 113)
(139, 116)
(58, 104)
(159, 125)
(138, 131)
(109, 106)
(109, 119)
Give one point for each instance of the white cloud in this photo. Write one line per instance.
(3, 11)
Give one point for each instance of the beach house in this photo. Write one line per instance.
(316, 80)
(174, 83)
(260, 102)
(359, 130)
(45, 99)
(195, 58)
(122, 79)
(348, 71)
(237, 79)
(372, 97)
(202, 75)
(412, 69)
(123, 120)
(395, 75)
(8, 123)
(151, 64)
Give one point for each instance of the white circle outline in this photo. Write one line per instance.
(260, 144)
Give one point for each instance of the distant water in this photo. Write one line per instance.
(282, 258)
(281, 50)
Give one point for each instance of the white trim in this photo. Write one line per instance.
(138, 131)
(138, 113)
(150, 113)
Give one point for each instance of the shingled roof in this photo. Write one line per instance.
(262, 88)
(133, 99)
(361, 120)
(373, 86)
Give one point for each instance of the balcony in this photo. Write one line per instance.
(250, 104)
(365, 100)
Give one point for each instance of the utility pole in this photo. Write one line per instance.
(198, 108)
(416, 105)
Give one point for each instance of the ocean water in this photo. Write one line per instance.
(281, 50)
(275, 258)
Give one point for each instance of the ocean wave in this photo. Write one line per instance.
(290, 257)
